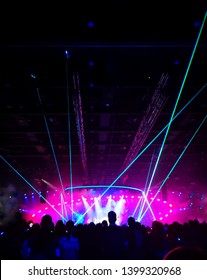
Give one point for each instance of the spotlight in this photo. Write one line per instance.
(91, 24)
(33, 76)
(91, 63)
(196, 23)
(176, 62)
(67, 54)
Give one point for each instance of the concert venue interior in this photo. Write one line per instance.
(105, 109)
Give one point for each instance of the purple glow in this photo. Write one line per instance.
(123, 201)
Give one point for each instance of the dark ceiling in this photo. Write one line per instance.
(81, 117)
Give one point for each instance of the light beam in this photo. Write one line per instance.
(175, 164)
(31, 186)
(187, 104)
(175, 107)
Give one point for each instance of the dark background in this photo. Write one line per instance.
(119, 50)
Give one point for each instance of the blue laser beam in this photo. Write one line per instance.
(51, 143)
(145, 187)
(69, 145)
(187, 104)
(25, 180)
(175, 164)
(175, 107)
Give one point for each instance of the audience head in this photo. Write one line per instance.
(131, 222)
(69, 225)
(112, 217)
(104, 223)
(46, 223)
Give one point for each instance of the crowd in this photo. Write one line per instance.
(105, 240)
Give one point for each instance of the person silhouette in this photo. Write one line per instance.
(113, 239)
(112, 218)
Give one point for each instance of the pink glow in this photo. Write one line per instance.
(34, 210)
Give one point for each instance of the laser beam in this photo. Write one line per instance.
(34, 189)
(175, 164)
(175, 107)
(187, 104)
(51, 143)
(69, 141)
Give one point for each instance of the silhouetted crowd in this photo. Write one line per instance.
(23, 240)
(105, 240)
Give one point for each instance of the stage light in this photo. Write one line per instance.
(196, 23)
(91, 24)
(176, 62)
(33, 76)
(91, 63)
(67, 54)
